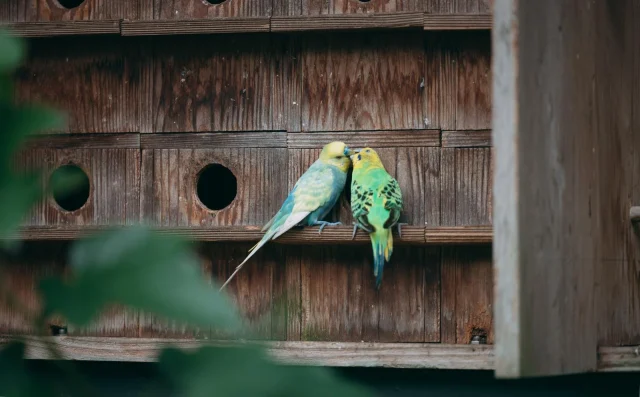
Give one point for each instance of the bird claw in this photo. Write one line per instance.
(323, 224)
(399, 225)
(355, 230)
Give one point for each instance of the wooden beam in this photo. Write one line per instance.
(62, 28)
(346, 22)
(334, 354)
(214, 140)
(195, 26)
(466, 138)
(546, 236)
(84, 141)
(360, 139)
(413, 235)
(457, 21)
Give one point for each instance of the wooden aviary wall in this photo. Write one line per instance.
(168, 99)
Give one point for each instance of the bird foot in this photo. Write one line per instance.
(399, 225)
(324, 223)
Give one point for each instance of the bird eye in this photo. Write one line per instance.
(367, 150)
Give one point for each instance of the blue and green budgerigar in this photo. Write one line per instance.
(376, 204)
(312, 197)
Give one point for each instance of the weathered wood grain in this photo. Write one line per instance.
(616, 106)
(84, 141)
(334, 354)
(62, 28)
(286, 83)
(214, 140)
(337, 7)
(362, 81)
(95, 80)
(467, 287)
(260, 173)
(195, 26)
(114, 194)
(546, 187)
(22, 274)
(457, 22)
(346, 22)
(411, 235)
(89, 10)
(212, 83)
(457, 80)
(480, 138)
(458, 6)
(186, 9)
(361, 139)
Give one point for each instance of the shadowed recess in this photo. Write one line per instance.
(69, 4)
(217, 186)
(70, 199)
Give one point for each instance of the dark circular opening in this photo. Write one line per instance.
(364, 1)
(68, 4)
(215, 1)
(70, 199)
(217, 186)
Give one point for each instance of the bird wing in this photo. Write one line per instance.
(361, 203)
(392, 196)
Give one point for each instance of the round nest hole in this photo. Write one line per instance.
(69, 4)
(215, 1)
(70, 199)
(216, 187)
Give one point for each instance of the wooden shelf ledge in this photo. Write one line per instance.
(62, 28)
(195, 26)
(334, 354)
(457, 22)
(411, 235)
(347, 22)
(400, 20)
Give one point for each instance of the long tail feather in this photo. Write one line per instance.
(272, 234)
(382, 244)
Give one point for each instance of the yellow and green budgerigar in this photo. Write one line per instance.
(376, 204)
(312, 197)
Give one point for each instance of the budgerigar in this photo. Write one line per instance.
(376, 203)
(312, 197)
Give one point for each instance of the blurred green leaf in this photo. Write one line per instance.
(14, 378)
(246, 371)
(17, 195)
(11, 51)
(140, 269)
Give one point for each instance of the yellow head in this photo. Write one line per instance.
(366, 158)
(336, 154)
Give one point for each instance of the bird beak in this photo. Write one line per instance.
(353, 152)
(348, 152)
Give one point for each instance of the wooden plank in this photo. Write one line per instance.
(467, 283)
(480, 138)
(411, 235)
(457, 22)
(259, 173)
(346, 22)
(214, 140)
(286, 83)
(473, 110)
(114, 192)
(190, 10)
(616, 105)
(458, 6)
(361, 139)
(44, 10)
(62, 28)
(547, 237)
(195, 26)
(440, 80)
(340, 7)
(95, 80)
(334, 354)
(362, 81)
(84, 141)
(212, 83)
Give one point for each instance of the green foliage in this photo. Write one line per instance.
(137, 268)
